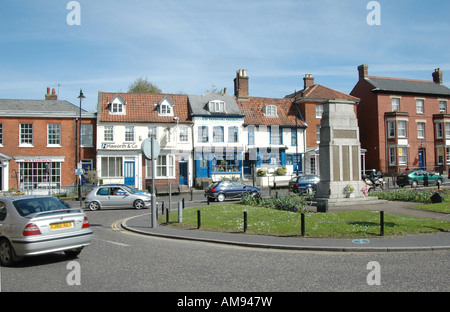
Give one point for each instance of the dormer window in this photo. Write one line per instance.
(271, 111)
(217, 107)
(165, 107)
(117, 106)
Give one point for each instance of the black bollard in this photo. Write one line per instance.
(199, 219)
(303, 224)
(381, 223)
(245, 221)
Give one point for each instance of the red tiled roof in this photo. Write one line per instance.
(253, 109)
(318, 91)
(141, 107)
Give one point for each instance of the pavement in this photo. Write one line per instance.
(426, 242)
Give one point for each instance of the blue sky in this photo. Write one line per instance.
(189, 45)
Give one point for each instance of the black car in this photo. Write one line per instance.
(304, 184)
(229, 189)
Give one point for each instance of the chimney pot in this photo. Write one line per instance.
(438, 76)
(308, 81)
(241, 85)
(363, 71)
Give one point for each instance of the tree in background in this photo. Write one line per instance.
(141, 85)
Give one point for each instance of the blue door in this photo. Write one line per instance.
(421, 158)
(182, 173)
(129, 172)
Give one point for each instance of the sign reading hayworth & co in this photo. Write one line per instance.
(120, 146)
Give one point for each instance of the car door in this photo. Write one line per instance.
(238, 188)
(120, 198)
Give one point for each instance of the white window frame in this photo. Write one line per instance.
(395, 104)
(392, 156)
(403, 156)
(87, 134)
(108, 134)
(391, 129)
(53, 135)
(26, 134)
(183, 134)
(402, 131)
(421, 130)
(217, 106)
(439, 130)
(443, 106)
(420, 106)
(319, 111)
(129, 134)
(165, 167)
(271, 111)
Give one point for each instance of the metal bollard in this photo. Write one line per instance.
(192, 195)
(199, 219)
(245, 221)
(303, 224)
(180, 212)
(381, 223)
(182, 200)
(167, 216)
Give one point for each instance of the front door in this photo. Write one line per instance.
(183, 173)
(421, 158)
(129, 173)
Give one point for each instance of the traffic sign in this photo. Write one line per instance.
(146, 148)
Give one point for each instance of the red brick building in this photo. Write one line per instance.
(310, 103)
(403, 123)
(39, 142)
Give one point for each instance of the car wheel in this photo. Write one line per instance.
(309, 191)
(73, 253)
(221, 197)
(94, 206)
(253, 194)
(138, 204)
(414, 184)
(6, 253)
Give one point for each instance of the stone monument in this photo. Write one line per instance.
(340, 157)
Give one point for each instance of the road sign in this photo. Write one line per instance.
(146, 148)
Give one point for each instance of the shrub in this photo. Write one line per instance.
(281, 171)
(410, 195)
(286, 203)
(261, 172)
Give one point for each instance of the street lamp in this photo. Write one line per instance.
(81, 97)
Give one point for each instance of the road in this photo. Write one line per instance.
(121, 261)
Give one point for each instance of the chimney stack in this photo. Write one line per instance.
(363, 71)
(52, 96)
(437, 76)
(241, 85)
(308, 81)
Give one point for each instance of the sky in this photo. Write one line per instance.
(191, 46)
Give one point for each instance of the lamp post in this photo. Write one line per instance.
(81, 97)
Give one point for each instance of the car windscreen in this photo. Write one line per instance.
(31, 206)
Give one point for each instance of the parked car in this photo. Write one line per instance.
(304, 184)
(34, 225)
(127, 187)
(419, 177)
(229, 189)
(115, 196)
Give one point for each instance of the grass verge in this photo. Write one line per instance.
(228, 217)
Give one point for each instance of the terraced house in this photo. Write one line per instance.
(125, 120)
(40, 144)
(404, 123)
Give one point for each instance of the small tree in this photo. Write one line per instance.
(91, 176)
(141, 85)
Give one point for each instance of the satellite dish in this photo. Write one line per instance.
(146, 148)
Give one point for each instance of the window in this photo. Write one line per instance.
(395, 104)
(117, 107)
(270, 157)
(165, 166)
(251, 135)
(420, 106)
(271, 111)
(26, 134)
(184, 134)
(54, 134)
(319, 110)
(111, 167)
(2, 211)
(439, 130)
(392, 157)
(447, 130)
(165, 109)
(226, 162)
(318, 133)
(402, 129)
(293, 136)
(443, 107)
(402, 156)
(218, 134)
(276, 135)
(40, 175)
(233, 135)
(203, 135)
(391, 129)
(87, 135)
(152, 132)
(108, 133)
(440, 155)
(421, 130)
(217, 107)
(448, 155)
(129, 133)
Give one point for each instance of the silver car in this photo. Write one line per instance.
(34, 225)
(114, 196)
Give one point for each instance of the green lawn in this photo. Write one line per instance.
(228, 217)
